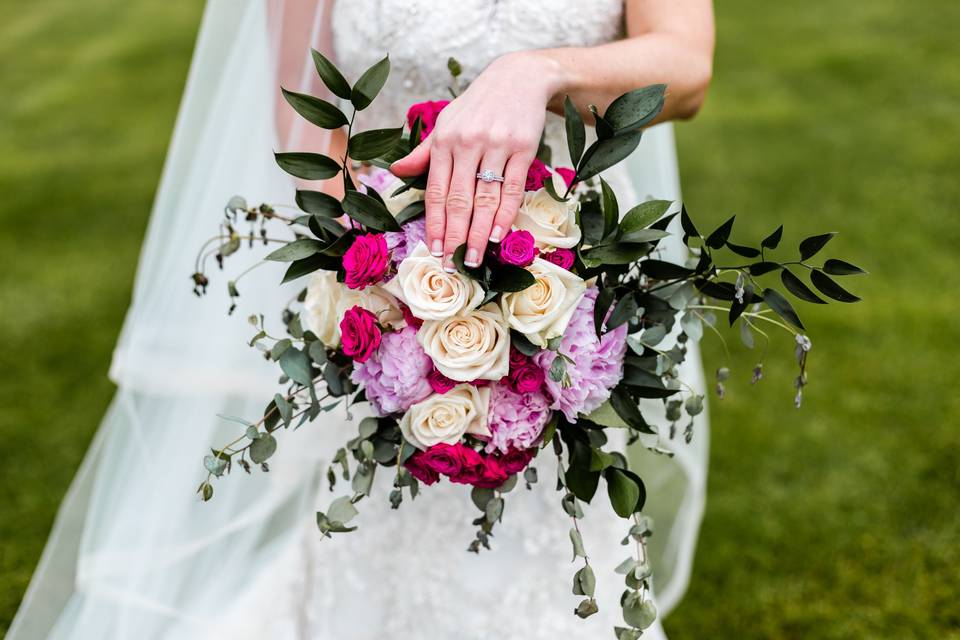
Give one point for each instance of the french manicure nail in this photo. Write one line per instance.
(471, 258)
(437, 250)
(448, 265)
(495, 234)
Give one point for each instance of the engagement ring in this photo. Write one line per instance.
(489, 176)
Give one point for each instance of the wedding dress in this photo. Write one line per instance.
(134, 554)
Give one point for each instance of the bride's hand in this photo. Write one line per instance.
(495, 125)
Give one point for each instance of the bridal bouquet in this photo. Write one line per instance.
(543, 349)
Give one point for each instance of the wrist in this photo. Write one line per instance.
(544, 67)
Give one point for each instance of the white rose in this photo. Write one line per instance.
(396, 204)
(542, 311)
(324, 305)
(429, 291)
(447, 417)
(382, 304)
(552, 223)
(473, 346)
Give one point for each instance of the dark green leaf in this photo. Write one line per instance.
(617, 253)
(643, 215)
(591, 221)
(309, 166)
(773, 240)
(367, 145)
(320, 224)
(603, 154)
(522, 344)
(810, 246)
(622, 490)
(508, 277)
(582, 482)
(662, 270)
(760, 268)
(841, 268)
(611, 208)
(603, 129)
(576, 133)
(600, 308)
(719, 236)
(781, 307)
(740, 250)
(302, 248)
(644, 235)
(319, 203)
(316, 111)
(796, 286)
(636, 108)
(830, 288)
(689, 229)
(331, 76)
(625, 311)
(628, 410)
(411, 212)
(369, 84)
(369, 212)
(296, 365)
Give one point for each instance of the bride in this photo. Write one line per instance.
(134, 554)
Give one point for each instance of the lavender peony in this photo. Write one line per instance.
(516, 419)
(597, 365)
(401, 243)
(395, 377)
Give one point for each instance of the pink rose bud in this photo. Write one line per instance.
(516, 460)
(415, 464)
(567, 174)
(518, 248)
(366, 261)
(428, 112)
(439, 382)
(359, 333)
(526, 378)
(560, 257)
(537, 174)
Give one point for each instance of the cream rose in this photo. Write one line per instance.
(472, 346)
(429, 291)
(324, 305)
(396, 204)
(447, 417)
(553, 224)
(542, 311)
(382, 304)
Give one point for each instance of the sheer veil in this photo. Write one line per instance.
(133, 553)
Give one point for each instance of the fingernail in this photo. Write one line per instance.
(495, 235)
(437, 250)
(448, 265)
(471, 259)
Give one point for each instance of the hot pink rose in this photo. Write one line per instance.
(536, 175)
(526, 378)
(366, 261)
(516, 460)
(560, 257)
(517, 359)
(493, 474)
(567, 174)
(471, 466)
(409, 318)
(359, 333)
(518, 248)
(428, 112)
(443, 458)
(439, 382)
(415, 465)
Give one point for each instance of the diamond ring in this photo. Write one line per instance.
(489, 176)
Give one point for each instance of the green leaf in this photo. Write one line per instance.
(628, 410)
(689, 229)
(367, 145)
(586, 608)
(508, 277)
(810, 246)
(302, 248)
(342, 510)
(296, 365)
(611, 208)
(773, 240)
(369, 212)
(625, 310)
(640, 615)
(582, 482)
(637, 108)
(577, 541)
(300, 268)
(286, 411)
(308, 166)
(645, 235)
(746, 252)
(522, 344)
(331, 76)
(617, 253)
(585, 582)
(841, 268)
(319, 203)
(411, 212)
(830, 288)
(576, 133)
(760, 268)
(796, 286)
(719, 236)
(493, 510)
(643, 215)
(369, 84)
(603, 154)
(316, 111)
(481, 496)
(623, 491)
(262, 448)
(453, 66)
(215, 464)
(662, 270)
(591, 221)
(601, 306)
(781, 307)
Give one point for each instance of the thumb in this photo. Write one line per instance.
(414, 163)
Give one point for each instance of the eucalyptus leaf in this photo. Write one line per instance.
(296, 365)
(262, 448)
(342, 510)
(577, 541)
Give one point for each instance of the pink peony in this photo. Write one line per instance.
(395, 377)
(537, 174)
(526, 378)
(516, 460)
(439, 382)
(518, 248)
(597, 364)
(560, 257)
(567, 174)
(516, 420)
(415, 464)
(402, 243)
(428, 112)
(359, 333)
(366, 261)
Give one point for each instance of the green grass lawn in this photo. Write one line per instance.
(837, 521)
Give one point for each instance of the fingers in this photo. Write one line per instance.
(459, 202)
(435, 198)
(414, 163)
(511, 194)
(486, 200)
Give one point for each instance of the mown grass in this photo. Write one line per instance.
(836, 521)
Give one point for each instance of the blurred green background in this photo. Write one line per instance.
(837, 521)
